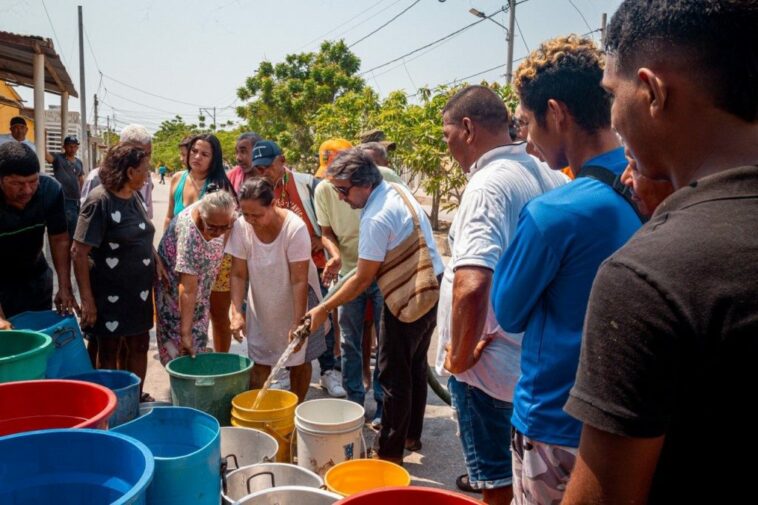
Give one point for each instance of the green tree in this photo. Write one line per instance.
(283, 98)
(166, 142)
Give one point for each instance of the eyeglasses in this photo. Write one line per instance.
(343, 190)
(214, 228)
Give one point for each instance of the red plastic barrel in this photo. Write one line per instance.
(47, 404)
(408, 496)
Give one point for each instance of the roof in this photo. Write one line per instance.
(17, 63)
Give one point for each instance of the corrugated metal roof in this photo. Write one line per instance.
(17, 63)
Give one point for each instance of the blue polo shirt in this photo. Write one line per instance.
(541, 287)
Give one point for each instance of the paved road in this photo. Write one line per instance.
(438, 463)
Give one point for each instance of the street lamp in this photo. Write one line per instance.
(508, 34)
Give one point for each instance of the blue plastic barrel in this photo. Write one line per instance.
(186, 445)
(70, 355)
(74, 467)
(126, 386)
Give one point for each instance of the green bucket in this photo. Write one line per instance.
(23, 355)
(209, 381)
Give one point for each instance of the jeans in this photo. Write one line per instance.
(351, 318)
(326, 360)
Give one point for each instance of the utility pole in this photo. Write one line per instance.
(84, 140)
(511, 27)
(108, 131)
(94, 151)
(203, 110)
(603, 26)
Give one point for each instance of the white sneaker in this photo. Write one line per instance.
(331, 380)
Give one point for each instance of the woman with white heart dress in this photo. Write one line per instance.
(114, 262)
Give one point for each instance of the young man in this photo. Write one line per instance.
(69, 172)
(483, 359)
(30, 204)
(667, 369)
(543, 280)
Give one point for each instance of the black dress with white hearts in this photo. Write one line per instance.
(121, 236)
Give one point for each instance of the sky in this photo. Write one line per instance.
(149, 60)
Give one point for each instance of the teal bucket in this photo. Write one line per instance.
(126, 386)
(70, 355)
(209, 381)
(74, 467)
(23, 355)
(186, 445)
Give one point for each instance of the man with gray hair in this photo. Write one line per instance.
(139, 136)
(390, 216)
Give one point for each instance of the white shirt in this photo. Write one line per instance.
(500, 184)
(386, 222)
(270, 303)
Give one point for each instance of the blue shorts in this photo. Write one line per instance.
(485, 429)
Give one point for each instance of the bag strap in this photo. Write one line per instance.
(607, 177)
(408, 204)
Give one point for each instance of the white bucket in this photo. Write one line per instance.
(329, 431)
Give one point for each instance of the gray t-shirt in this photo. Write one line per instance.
(67, 173)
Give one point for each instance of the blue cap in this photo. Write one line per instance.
(264, 153)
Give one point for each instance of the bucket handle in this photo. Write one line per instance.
(225, 463)
(205, 381)
(62, 341)
(249, 479)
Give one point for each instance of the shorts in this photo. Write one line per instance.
(540, 471)
(484, 423)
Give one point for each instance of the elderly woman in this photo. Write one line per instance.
(115, 233)
(271, 247)
(191, 250)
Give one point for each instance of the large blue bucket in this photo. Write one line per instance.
(70, 356)
(126, 386)
(186, 444)
(74, 467)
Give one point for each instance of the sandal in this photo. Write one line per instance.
(145, 397)
(412, 445)
(464, 485)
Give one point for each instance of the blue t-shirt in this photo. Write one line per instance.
(541, 287)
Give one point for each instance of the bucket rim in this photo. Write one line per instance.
(46, 346)
(179, 375)
(144, 480)
(359, 419)
(289, 394)
(125, 373)
(313, 490)
(157, 412)
(419, 490)
(278, 465)
(376, 462)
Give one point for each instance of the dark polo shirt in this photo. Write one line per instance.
(670, 345)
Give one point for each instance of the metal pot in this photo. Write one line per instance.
(290, 495)
(244, 447)
(255, 478)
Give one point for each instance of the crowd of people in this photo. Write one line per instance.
(598, 313)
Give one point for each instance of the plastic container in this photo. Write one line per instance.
(54, 403)
(126, 386)
(246, 446)
(290, 495)
(186, 445)
(69, 356)
(275, 415)
(408, 496)
(329, 431)
(209, 381)
(23, 355)
(254, 478)
(74, 467)
(352, 477)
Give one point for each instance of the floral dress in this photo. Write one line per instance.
(183, 249)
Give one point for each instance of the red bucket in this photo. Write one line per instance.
(408, 496)
(48, 404)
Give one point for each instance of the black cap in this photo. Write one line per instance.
(18, 120)
(71, 139)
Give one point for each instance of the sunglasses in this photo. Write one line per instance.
(343, 190)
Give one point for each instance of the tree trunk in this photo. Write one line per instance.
(435, 219)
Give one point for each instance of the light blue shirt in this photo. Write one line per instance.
(386, 221)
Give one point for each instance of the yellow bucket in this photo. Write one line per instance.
(357, 475)
(275, 415)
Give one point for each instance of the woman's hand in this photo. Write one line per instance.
(237, 325)
(88, 313)
(187, 347)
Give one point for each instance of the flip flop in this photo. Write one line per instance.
(145, 397)
(464, 485)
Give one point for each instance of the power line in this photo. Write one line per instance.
(523, 39)
(54, 33)
(385, 24)
(153, 94)
(448, 36)
(582, 15)
(346, 22)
